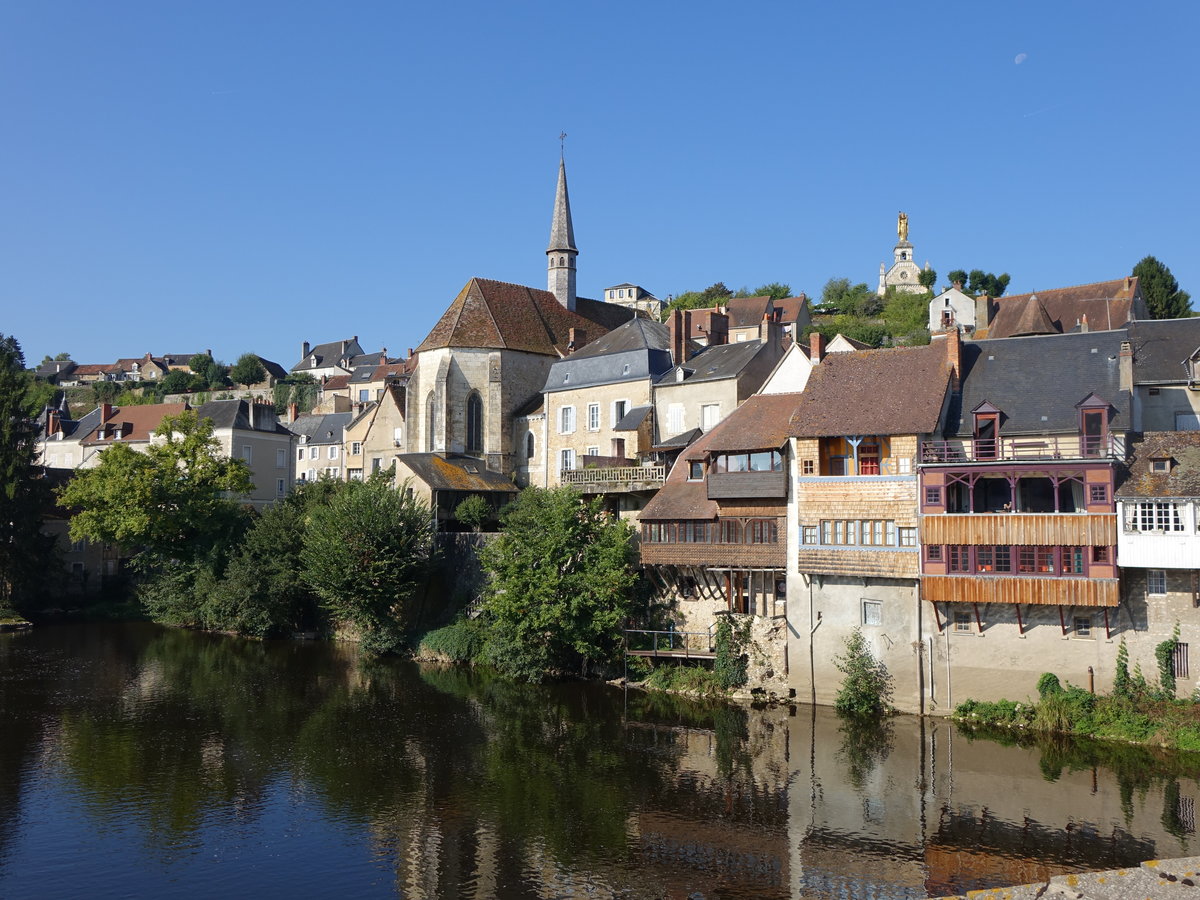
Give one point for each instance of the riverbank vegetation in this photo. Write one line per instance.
(561, 583)
(331, 554)
(1137, 711)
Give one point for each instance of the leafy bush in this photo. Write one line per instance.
(473, 512)
(684, 678)
(461, 641)
(729, 668)
(1164, 653)
(866, 691)
(1048, 685)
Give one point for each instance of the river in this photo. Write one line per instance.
(137, 761)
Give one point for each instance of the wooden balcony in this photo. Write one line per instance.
(616, 480)
(1022, 448)
(1015, 589)
(1046, 529)
(750, 485)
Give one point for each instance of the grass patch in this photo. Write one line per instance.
(694, 679)
(461, 641)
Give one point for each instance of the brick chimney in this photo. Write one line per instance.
(293, 411)
(576, 338)
(1083, 323)
(1125, 366)
(954, 358)
(677, 327)
(957, 285)
(52, 422)
(106, 412)
(816, 347)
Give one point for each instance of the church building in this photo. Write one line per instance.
(905, 273)
(492, 349)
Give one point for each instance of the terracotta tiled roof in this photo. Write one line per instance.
(502, 316)
(763, 423)
(93, 368)
(1033, 320)
(792, 307)
(895, 391)
(336, 383)
(745, 312)
(137, 423)
(1107, 305)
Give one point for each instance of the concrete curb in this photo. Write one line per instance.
(1151, 880)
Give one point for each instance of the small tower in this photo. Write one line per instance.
(560, 271)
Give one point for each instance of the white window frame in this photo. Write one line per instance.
(314, 452)
(593, 451)
(675, 419)
(566, 420)
(872, 609)
(356, 448)
(566, 460)
(333, 451)
(620, 409)
(705, 410)
(1156, 582)
(593, 413)
(248, 454)
(280, 487)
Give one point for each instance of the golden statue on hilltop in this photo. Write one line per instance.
(902, 226)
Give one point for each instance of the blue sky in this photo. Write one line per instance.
(249, 175)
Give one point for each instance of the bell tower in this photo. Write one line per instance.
(560, 255)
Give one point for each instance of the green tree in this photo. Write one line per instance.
(105, 391)
(167, 501)
(776, 290)
(365, 554)
(177, 381)
(980, 282)
(1164, 299)
(959, 277)
(561, 584)
(713, 295)
(217, 375)
(247, 370)
(473, 512)
(199, 363)
(850, 299)
(866, 691)
(24, 552)
(906, 317)
(928, 278)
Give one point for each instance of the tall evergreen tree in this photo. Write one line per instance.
(24, 551)
(1164, 299)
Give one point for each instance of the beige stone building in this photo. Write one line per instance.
(903, 274)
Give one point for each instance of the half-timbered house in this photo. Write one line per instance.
(1018, 523)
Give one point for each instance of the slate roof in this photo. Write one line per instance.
(533, 405)
(55, 367)
(639, 345)
(764, 423)
(502, 316)
(1183, 479)
(792, 307)
(680, 440)
(273, 369)
(330, 353)
(717, 362)
(137, 423)
(456, 473)
(1161, 347)
(895, 391)
(562, 233)
(236, 414)
(321, 429)
(82, 426)
(1036, 382)
(633, 419)
(1107, 305)
(336, 383)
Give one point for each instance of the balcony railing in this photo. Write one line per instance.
(1022, 448)
(616, 478)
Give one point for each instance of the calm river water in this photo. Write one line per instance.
(142, 762)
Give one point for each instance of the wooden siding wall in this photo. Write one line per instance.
(860, 563)
(736, 555)
(742, 485)
(1039, 591)
(1044, 529)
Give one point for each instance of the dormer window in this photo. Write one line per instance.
(1160, 464)
(987, 431)
(696, 471)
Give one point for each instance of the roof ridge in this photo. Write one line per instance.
(488, 307)
(1068, 287)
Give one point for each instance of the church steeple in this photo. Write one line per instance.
(560, 273)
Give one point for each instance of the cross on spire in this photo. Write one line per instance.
(562, 143)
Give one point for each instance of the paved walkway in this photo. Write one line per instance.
(1156, 878)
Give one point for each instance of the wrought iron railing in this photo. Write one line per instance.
(644, 642)
(615, 476)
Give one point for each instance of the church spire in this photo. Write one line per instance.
(560, 273)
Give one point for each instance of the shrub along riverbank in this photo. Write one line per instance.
(1135, 712)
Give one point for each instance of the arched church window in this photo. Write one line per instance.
(474, 424)
(430, 421)
(562, 260)
(529, 446)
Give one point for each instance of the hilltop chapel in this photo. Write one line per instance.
(489, 354)
(904, 273)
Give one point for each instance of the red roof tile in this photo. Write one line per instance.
(1107, 305)
(136, 423)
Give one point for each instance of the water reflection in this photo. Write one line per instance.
(136, 760)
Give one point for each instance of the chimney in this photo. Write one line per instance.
(677, 327)
(304, 349)
(576, 338)
(345, 344)
(106, 412)
(52, 426)
(1125, 366)
(954, 358)
(1083, 323)
(293, 411)
(409, 353)
(1128, 282)
(816, 347)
